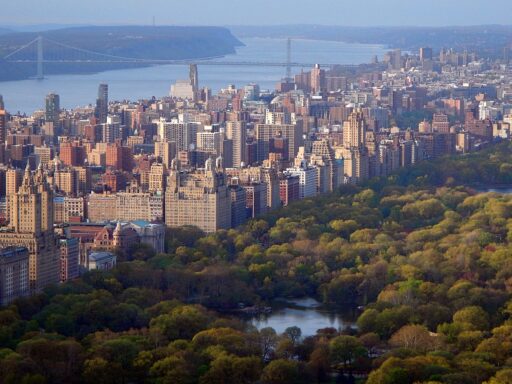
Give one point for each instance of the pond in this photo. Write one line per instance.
(308, 314)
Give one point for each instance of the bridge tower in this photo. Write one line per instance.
(40, 58)
(289, 60)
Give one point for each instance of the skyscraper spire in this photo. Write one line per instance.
(27, 177)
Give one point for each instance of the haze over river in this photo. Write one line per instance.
(133, 84)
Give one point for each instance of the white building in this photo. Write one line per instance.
(307, 179)
(182, 89)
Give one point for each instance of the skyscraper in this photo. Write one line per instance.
(3, 126)
(354, 130)
(200, 198)
(31, 225)
(193, 76)
(265, 132)
(237, 132)
(317, 79)
(396, 59)
(506, 55)
(52, 103)
(101, 110)
(425, 53)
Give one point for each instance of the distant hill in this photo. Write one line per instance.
(4, 31)
(487, 40)
(162, 43)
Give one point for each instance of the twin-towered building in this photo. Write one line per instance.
(31, 226)
(200, 198)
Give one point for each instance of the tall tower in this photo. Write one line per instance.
(354, 130)
(101, 111)
(199, 198)
(40, 58)
(194, 78)
(288, 78)
(506, 54)
(317, 79)
(31, 220)
(237, 132)
(52, 103)
(3, 126)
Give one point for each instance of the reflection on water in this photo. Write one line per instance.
(307, 314)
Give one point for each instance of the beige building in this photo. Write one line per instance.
(139, 206)
(157, 177)
(236, 131)
(13, 179)
(323, 155)
(268, 176)
(65, 181)
(199, 198)
(101, 207)
(96, 157)
(354, 130)
(166, 151)
(357, 165)
(31, 226)
(44, 154)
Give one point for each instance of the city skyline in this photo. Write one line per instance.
(200, 12)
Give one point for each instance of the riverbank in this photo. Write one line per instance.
(95, 46)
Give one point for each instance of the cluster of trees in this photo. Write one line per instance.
(426, 257)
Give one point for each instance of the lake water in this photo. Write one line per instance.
(505, 190)
(133, 84)
(307, 314)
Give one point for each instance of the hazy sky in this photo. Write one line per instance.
(257, 12)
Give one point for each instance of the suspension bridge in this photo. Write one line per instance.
(42, 50)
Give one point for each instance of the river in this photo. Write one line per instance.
(133, 84)
(307, 314)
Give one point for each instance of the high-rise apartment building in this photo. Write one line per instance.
(356, 164)
(31, 226)
(354, 130)
(307, 179)
(3, 126)
(165, 151)
(157, 177)
(440, 123)
(210, 142)
(72, 153)
(200, 198)
(183, 134)
(119, 157)
(111, 129)
(52, 111)
(265, 132)
(101, 110)
(323, 150)
(426, 53)
(236, 131)
(317, 79)
(194, 79)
